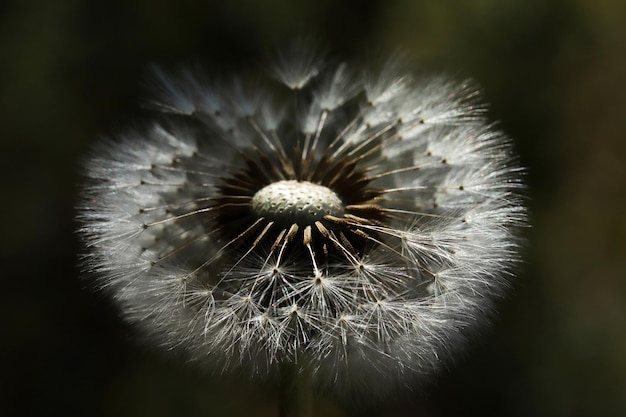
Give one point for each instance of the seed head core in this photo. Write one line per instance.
(299, 202)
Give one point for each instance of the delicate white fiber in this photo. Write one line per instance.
(381, 284)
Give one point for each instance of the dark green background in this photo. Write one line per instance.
(555, 74)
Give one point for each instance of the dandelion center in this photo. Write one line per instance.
(299, 202)
(324, 202)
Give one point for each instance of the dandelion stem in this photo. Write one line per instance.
(296, 393)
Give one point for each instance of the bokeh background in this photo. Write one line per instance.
(554, 72)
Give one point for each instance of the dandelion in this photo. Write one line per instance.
(350, 226)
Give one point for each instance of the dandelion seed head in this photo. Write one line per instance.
(359, 232)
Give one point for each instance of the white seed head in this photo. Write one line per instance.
(360, 235)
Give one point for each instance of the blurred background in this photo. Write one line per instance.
(554, 72)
